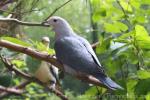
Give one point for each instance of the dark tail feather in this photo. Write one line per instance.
(109, 83)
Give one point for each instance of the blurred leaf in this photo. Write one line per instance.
(99, 14)
(104, 45)
(111, 28)
(116, 27)
(16, 41)
(148, 96)
(130, 86)
(41, 47)
(140, 19)
(121, 26)
(51, 51)
(135, 3)
(145, 1)
(140, 31)
(93, 91)
(143, 42)
(126, 6)
(126, 35)
(142, 87)
(143, 74)
(18, 63)
(5, 79)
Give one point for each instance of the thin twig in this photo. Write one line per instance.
(20, 86)
(29, 78)
(13, 20)
(58, 9)
(10, 90)
(94, 45)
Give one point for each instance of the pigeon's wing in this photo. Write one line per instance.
(91, 51)
(73, 53)
(54, 73)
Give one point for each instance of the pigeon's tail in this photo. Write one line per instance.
(109, 83)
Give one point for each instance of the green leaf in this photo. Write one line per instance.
(111, 28)
(121, 26)
(104, 45)
(130, 86)
(148, 96)
(143, 74)
(140, 19)
(126, 35)
(42, 47)
(99, 14)
(143, 42)
(126, 6)
(51, 51)
(18, 63)
(136, 4)
(140, 31)
(93, 91)
(16, 41)
(116, 27)
(142, 87)
(145, 2)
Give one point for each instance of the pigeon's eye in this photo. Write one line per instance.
(55, 20)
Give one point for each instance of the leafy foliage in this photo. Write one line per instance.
(124, 50)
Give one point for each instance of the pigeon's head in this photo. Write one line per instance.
(46, 41)
(58, 24)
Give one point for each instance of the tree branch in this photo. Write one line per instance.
(13, 20)
(10, 90)
(30, 52)
(31, 23)
(48, 58)
(21, 86)
(30, 79)
(94, 45)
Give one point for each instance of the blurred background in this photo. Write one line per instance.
(121, 27)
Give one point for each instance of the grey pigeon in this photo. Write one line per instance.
(76, 53)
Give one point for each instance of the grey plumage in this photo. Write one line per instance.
(76, 53)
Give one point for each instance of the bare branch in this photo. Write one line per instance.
(48, 58)
(30, 52)
(13, 20)
(10, 90)
(21, 86)
(30, 79)
(30, 23)
(94, 45)
(58, 9)
(11, 67)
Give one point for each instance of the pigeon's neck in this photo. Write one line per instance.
(63, 32)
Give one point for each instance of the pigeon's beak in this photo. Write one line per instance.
(45, 23)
